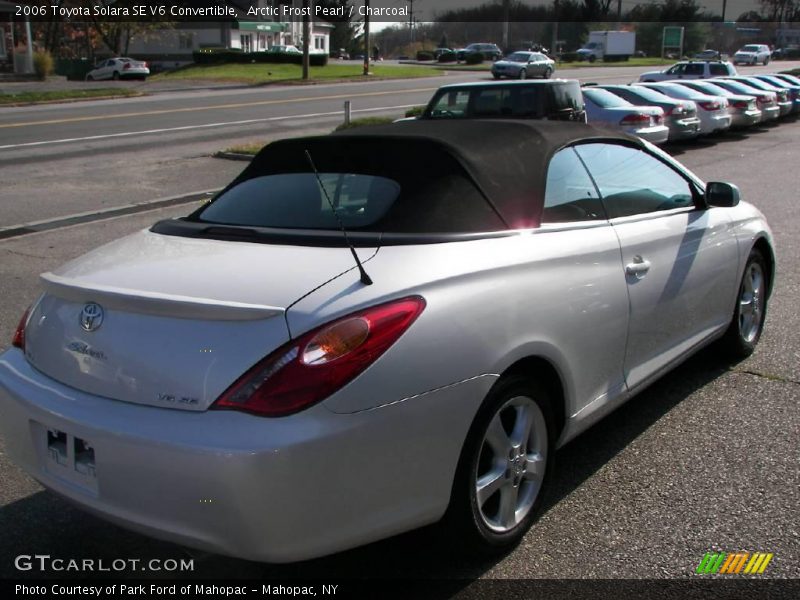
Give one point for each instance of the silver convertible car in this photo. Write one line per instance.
(372, 331)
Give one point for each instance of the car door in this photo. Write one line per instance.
(583, 256)
(679, 259)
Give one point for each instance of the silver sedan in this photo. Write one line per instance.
(521, 65)
(376, 330)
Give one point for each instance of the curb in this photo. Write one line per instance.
(72, 100)
(233, 156)
(108, 213)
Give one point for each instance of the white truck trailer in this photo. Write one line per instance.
(608, 45)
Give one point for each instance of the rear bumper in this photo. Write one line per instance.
(657, 134)
(684, 129)
(745, 118)
(275, 490)
(769, 113)
(785, 107)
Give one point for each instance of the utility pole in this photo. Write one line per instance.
(724, 6)
(306, 36)
(366, 37)
(619, 13)
(506, 8)
(554, 44)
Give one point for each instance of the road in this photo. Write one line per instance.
(103, 154)
(705, 459)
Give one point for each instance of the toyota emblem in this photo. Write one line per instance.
(91, 317)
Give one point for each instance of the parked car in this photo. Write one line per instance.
(784, 96)
(119, 68)
(752, 54)
(235, 381)
(743, 109)
(767, 102)
(680, 116)
(792, 88)
(489, 51)
(712, 110)
(284, 49)
(787, 77)
(439, 51)
(521, 65)
(609, 110)
(692, 69)
(708, 55)
(557, 99)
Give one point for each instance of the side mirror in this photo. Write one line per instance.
(720, 193)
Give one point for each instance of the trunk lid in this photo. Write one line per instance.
(170, 321)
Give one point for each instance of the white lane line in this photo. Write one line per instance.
(204, 126)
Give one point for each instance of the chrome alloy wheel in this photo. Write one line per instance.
(511, 465)
(751, 302)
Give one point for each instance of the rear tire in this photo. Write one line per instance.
(89, 78)
(115, 76)
(747, 323)
(505, 467)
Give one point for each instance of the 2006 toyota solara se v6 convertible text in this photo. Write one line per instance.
(373, 331)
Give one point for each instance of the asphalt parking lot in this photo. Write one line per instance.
(706, 459)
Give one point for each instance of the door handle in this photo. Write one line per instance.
(638, 268)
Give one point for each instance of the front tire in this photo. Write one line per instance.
(766, 61)
(548, 72)
(523, 73)
(505, 467)
(747, 323)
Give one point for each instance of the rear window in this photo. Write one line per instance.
(393, 191)
(605, 99)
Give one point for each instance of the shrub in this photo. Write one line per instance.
(365, 122)
(222, 55)
(415, 111)
(43, 64)
(474, 58)
(447, 57)
(424, 55)
(568, 57)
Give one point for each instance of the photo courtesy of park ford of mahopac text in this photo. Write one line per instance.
(329, 299)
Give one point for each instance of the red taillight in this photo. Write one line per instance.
(745, 104)
(126, 67)
(19, 335)
(317, 364)
(636, 119)
(712, 105)
(145, 65)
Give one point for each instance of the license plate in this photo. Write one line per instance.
(67, 457)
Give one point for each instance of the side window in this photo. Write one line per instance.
(677, 69)
(632, 182)
(569, 194)
(451, 104)
(491, 102)
(694, 69)
(718, 69)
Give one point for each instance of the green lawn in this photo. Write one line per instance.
(55, 96)
(260, 73)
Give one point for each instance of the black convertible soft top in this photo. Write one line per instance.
(507, 160)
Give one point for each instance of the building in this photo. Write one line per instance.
(16, 44)
(173, 47)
